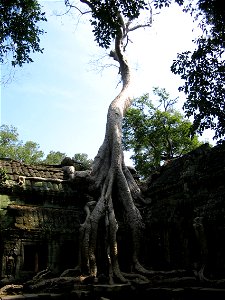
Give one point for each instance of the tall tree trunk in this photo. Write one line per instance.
(110, 171)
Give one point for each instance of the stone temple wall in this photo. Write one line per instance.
(184, 214)
(40, 215)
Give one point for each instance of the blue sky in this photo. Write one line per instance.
(60, 100)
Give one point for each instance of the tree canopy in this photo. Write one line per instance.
(19, 30)
(203, 70)
(155, 132)
(54, 158)
(12, 147)
(82, 159)
(29, 152)
(106, 17)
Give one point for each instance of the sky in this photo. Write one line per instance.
(60, 101)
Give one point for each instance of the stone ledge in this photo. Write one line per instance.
(32, 296)
(182, 293)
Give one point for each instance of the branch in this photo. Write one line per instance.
(78, 174)
(99, 65)
(67, 3)
(148, 24)
(63, 14)
(88, 3)
(139, 26)
(22, 179)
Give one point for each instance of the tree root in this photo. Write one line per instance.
(11, 289)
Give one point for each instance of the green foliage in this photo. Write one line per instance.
(165, 3)
(8, 141)
(12, 147)
(203, 70)
(154, 135)
(83, 161)
(204, 77)
(54, 158)
(19, 30)
(106, 17)
(30, 153)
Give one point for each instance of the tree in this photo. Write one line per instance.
(54, 158)
(8, 140)
(19, 30)
(112, 21)
(203, 70)
(83, 161)
(29, 152)
(12, 147)
(156, 133)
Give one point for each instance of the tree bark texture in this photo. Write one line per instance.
(108, 172)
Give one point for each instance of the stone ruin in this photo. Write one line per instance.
(41, 209)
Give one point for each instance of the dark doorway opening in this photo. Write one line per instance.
(68, 255)
(35, 257)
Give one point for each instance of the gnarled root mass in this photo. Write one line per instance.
(109, 171)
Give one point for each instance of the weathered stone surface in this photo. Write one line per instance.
(185, 217)
(41, 210)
